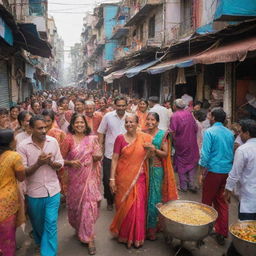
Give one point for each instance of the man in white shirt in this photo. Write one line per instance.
(110, 127)
(243, 173)
(161, 111)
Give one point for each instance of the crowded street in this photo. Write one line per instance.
(108, 247)
(127, 127)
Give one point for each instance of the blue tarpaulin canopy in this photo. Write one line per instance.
(131, 72)
(170, 64)
(234, 10)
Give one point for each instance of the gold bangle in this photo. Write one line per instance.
(112, 179)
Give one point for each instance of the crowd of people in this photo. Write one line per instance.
(62, 145)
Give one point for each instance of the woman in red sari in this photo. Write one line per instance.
(128, 180)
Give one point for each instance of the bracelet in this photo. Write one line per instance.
(112, 179)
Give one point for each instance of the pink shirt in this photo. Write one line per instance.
(44, 182)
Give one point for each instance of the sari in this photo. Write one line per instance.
(11, 212)
(142, 119)
(64, 119)
(162, 184)
(59, 135)
(130, 199)
(83, 188)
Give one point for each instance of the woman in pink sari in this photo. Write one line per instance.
(82, 154)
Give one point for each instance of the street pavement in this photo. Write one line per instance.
(107, 246)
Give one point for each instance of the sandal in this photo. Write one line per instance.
(92, 250)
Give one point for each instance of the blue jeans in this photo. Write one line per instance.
(43, 214)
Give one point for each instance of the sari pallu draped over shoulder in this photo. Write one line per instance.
(131, 162)
(169, 189)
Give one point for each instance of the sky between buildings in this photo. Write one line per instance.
(68, 15)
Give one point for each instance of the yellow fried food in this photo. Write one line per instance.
(188, 213)
(245, 232)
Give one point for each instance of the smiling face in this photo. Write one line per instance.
(131, 123)
(4, 118)
(79, 125)
(14, 113)
(142, 106)
(151, 122)
(79, 107)
(64, 104)
(89, 110)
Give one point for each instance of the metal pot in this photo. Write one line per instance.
(187, 232)
(244, 247)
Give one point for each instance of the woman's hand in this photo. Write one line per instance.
(76, 163)
(112, 185)
(96, 158)
(149, 146)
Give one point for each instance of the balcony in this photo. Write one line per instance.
(142, 13)
(119, 31)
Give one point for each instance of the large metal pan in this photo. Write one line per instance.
(244, 247)
(185, 232)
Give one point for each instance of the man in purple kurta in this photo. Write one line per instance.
(184, 131)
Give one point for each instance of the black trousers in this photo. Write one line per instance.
(242, 216)
(106, 175)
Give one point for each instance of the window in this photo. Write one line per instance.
(186, 14)
(151, 27)
(141, 32)
(36, 7)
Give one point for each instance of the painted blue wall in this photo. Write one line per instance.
(110, 21)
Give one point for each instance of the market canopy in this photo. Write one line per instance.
(231, 52)
(28, 38)
(170, 64)
(131, 72)
(114, 75)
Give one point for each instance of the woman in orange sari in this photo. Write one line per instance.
(128, 181)
(142, 113)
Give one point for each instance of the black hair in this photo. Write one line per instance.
(49, 113)
(197, 102)
(13, 107)
(6, 137)
(249, 125)
(199, 115)
(35, 118)
(80, 100)
(48, 101)
(144, 100)
(72, 122)
(120, 98)
(154, 99)
(206, 104)
(4, 111)
(61, 100)
(155, 115)
(219, 115)
(22, 115)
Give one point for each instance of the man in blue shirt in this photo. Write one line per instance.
(216, 162)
